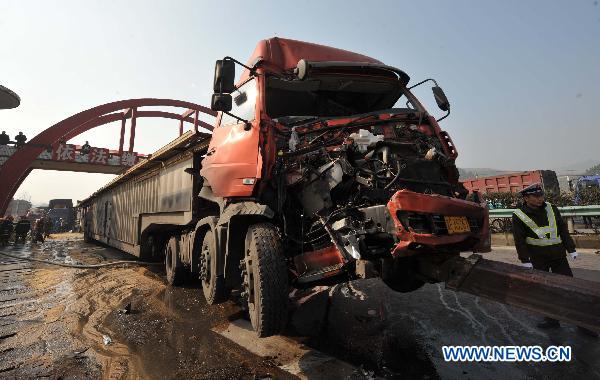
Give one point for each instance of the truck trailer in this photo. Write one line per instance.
(322, 167)
(513, 182)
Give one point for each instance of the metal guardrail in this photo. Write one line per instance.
(567, 211)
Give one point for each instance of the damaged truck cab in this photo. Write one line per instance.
(325, 167)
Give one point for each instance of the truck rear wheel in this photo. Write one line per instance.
(213, 286)
(173, 265)
(265, 280)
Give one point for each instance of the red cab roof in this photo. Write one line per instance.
(285, 54)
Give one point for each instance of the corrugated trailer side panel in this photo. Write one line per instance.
(117, 213)
(510, 182)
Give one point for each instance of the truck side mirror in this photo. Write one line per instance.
(224, 76)
(221, 102)
(440, 98)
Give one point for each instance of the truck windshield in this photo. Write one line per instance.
(244, 101)
(331, 96)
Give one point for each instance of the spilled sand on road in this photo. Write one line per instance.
(68, 312)
(80, 302)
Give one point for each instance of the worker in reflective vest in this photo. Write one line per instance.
(542, 239)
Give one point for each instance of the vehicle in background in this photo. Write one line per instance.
(583, 183)
(513, 182)
(60, 203)
(61, 214)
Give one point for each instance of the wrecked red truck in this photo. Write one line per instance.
(322, 167)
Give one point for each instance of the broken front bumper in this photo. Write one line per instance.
(422, 224)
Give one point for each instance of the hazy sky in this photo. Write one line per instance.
(522, 76)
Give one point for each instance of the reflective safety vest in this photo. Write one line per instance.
(547, 235)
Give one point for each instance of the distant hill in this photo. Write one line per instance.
(576, 168)
(595, 170)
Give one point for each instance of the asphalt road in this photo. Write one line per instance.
(402, 334)
(586, 266)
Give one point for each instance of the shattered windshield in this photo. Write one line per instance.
(331, 96)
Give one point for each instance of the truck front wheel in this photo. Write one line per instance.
(265, 280)
(400, 274)
(173, 265)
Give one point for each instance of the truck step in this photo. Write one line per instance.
(320, 274)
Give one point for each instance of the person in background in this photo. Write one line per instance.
(47, 226)
(6, 229)
(38, 232)
(543, 240)
(20, 139)
(85, 148)
(4, 138)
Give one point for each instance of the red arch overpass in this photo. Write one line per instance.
(50, 149)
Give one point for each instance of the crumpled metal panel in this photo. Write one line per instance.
(406, 200)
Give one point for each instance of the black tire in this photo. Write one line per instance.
(153, 249)
(173, 265)
(265, 280)
(213, 286)
(399, 274)
(86, 237)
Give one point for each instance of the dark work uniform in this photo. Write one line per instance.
(551, 258)
(4, 139)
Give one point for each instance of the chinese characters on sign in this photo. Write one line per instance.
(98, 156)
(128, 158)
(64, 152)
(102, 156)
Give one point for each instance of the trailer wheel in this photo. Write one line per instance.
(173, 265)
(86, 236)
(265, 280)
(213, 285)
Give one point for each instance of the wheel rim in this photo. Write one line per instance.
(168, 261)
(205, 264)
(248, 281)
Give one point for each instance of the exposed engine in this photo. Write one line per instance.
(339, 179)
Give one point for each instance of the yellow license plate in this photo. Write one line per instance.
(457, 224)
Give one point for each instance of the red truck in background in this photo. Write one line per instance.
(513, 182)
